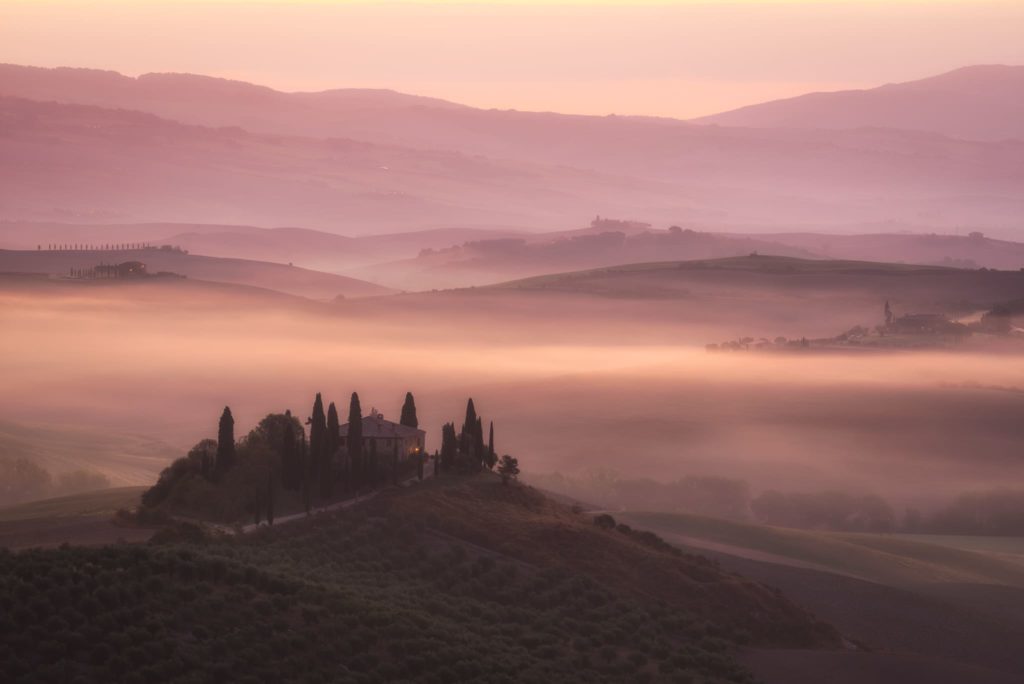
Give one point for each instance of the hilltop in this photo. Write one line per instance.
(984, 102)
(454, 579)
(756, 277)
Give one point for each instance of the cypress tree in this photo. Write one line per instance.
(478, 444)
(492, 458)
(317, 438)
(409, 412)
(331, 443)
(467, 439)
(449, 447)
(354, 440)
(225, 442)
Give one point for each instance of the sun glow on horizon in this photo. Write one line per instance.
(677, 58)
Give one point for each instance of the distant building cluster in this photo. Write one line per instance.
(127, 269)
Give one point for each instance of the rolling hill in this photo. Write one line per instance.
(271, 276)
(490, 261)
(965, 251)
(431, 164)
(951, 608)
(314, 249)
(976, 103)
(761, 277)
(124, 459)
(457, 579)
(86, 164)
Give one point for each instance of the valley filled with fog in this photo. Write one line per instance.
(583, 385)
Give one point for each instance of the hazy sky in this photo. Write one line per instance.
(681, 58)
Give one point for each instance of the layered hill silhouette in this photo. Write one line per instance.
(305, 247)
(458, 257)
(291, 159)
(279, 277)
(977, 103)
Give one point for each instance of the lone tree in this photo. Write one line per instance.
(225, 442)
(354, 439)
(508, 468)
(409, 412)
(888, 313)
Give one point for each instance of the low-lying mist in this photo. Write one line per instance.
(917, 428)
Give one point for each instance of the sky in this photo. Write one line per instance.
(681, 58)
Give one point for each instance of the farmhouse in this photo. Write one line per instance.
(927, 324)
(128, 269)
(384, 438)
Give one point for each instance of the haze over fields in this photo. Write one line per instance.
(592, 341)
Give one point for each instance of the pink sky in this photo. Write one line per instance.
(664, 58)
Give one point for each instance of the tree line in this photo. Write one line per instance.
(466, 450)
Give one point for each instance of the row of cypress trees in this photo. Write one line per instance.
(466, 450)
(310, 466)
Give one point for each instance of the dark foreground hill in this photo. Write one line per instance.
(453, 580)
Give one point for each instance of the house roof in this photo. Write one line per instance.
(374, 425)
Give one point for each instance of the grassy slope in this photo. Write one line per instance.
(269, 275)
(455, 580)
(125, 459)
(80, 519)
(937, 610)
(531, 528)
(913, 288)
(103, 502)
(886, 559)
(759, 264)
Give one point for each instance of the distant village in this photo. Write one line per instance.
(908, 331)
(125, 270)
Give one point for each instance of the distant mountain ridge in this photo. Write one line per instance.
(86, 146)
(984, 102)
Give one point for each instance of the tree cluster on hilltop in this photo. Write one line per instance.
(466, 450)
(279, 466)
